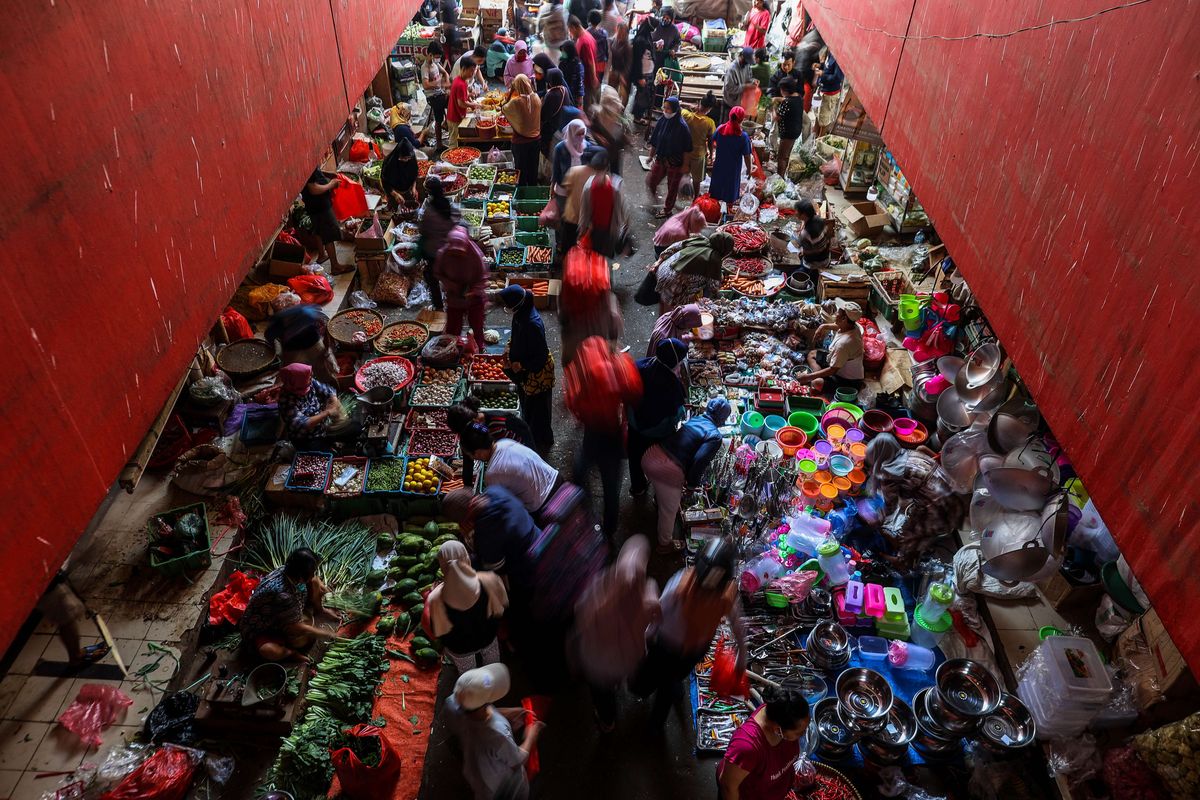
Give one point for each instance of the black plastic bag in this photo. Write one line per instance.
(173, 720)
(647, 291)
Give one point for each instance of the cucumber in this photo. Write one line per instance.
(420, 642)
(427, 655)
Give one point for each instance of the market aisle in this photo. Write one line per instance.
(576, 760)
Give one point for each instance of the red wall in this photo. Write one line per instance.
(153, 148)
(1059, 165)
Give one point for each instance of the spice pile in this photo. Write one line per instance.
(460, 155)
(752, 267)
(383, 373)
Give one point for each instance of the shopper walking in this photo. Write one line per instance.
(670, 146)
(679, 462)
(789, 123)
(732, 149)
(608, 126)
(530, 363)
(568, 154)
(585, 47)
(435, 80)
(654, 417)
(691, 269)
(641, 71)
(757, 23)
(702, 127)
(573, 72)
(438, 217)
(620, 60)
(574, 182)
(760, 762)
(317, 197)
(552, 26)
(601, 212)
(465, 609)
(612, 618)
(463, 274)
(694, 603)
(524, 113)
(601, 36)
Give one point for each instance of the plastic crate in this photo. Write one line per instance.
(356, 461)
(291, 485)
(533, 193)
(415, 400)
(535, 238)
(716, 44)
(514, 265)
(195, 560)
(528, 208)
(431, 495)
(526, 224)
(476, 380)
(367, 477)
(484, 390)
(414, 423)
(414, 448)
(260, 426)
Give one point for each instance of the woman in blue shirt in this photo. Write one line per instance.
(732, 150)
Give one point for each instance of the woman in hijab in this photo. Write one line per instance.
(670, 148)
(463, 273)
(690, 269)
(399, 176)
(620, 56)
(524, 112)
(688, 222)
(552, 107)
(641, 70)
(542, 64)
(465, 609)
(611, 619)
(571, 67)
(401, 123)
(915, 501)
(530, 363)
(654, 417)
(567, 154)
(309, 409)
(732, 150)
(519, 64)
(608, 126)
(438, 217)
(675, 324)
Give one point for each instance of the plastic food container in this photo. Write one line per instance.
(872, 648)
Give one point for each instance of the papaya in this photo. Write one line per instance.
(413, 599)
(420, 642)
(405, 586)
(426, 655)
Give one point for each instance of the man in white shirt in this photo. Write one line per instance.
(843, 361)
(512, 465)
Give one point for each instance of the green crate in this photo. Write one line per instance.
(528, 224)
(533, 193)
(530, 208)
(195, 560)
(534, 239)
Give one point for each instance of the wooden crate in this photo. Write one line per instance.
(857, 290)
(370, 267)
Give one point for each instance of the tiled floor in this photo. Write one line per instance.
(109, 572)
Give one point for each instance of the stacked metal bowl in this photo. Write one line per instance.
(836, 739)
(864, 700)
(889, 744)
(829, 646)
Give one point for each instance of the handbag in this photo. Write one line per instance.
(647, 291)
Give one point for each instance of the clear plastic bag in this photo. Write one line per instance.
(96, 707)
(360, 299)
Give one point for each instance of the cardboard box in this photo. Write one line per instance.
(286, 260)
(1060, 592)
(548, 300)
(365, 243)
(866, 219)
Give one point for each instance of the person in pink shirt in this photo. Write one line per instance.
(463, 274)
(585, 45)
(518, 64)
(759, 763)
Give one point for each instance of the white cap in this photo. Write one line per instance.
(477, 687)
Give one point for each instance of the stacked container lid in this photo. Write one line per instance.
(1065, 685)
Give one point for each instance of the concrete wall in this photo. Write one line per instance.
(1059, 164)
(152, 149)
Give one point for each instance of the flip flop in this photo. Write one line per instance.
(93, 653)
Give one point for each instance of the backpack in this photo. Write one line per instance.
(570, 551)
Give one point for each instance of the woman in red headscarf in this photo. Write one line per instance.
(310, 410)
(732, 150)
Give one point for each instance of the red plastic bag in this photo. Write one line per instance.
(314, 289)
(549, 216)
(585, 280)
(166, 775)
(95, 708)
(726, 679)
(361, 150)
(709, 206)
(236, 325)
(362, 782)
(229, 604)
(349, 198)
(600, 383)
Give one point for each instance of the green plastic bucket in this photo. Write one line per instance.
(805, 422)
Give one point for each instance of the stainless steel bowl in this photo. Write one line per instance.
(1009, 728)
(981, 366)
(829, 645)
(889, 745)
(947, 719)
(836, 739)
(865, 695)
(967, 688)
(925, 721)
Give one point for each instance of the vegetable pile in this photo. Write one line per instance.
(434, 394)
(538, 255)
(309, 471)
(401, 337)
(500, 400)
(352, 485)
(432, 442)
(512, 256)
(460, 155)
(747, 238)
(481, 173)
(487, 369)
(347, 676)
(345, 549)
(383, 373)
(385, 474)
(427, 418)
(507, 177)
(450, 375)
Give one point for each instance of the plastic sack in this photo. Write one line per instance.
(496, 156)
(166, 775)
(360, 299)
(1111, 619)
(349, 198)
(392, 289)
(236, 326)
(173, 720)
(314, 289)
(229, 604)
(710, 207)
(285, 300)
(360, 781)
(726, 679)
(749, 203)
(549, 216)
(363, 149)
(95, 708)
(260, 297)
(440, 351)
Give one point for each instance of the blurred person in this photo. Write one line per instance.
(317, 196)
(438, 217)
(677, 323)
(757, 23)
(608, 126)
(574, 73)
(620, 61)
(732, 149)
(500, 425)
(463, 274)
(552, 26)
(300, 331)
(542, 64)
(553, 103)
(739, 76)
(829, 84)
(601, 211)
(465, 609)
(657, 413)
(682, 225)
(530, 363)
(600, 35)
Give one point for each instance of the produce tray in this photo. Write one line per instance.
(532, 207)
(510, 258)
(427, 373)
(500, 192)
(434, 493)
(528, 223)
(346, 323)
(513, 176)
(482, 173)
(418, 397)
(478, 381)
(417, 330)
(316, 486)
(367, 478)
(420, 443)
(356, 461)
(535, 238)
(197, 559)
(539, 193)
(259, 426)
(485, 391)
(401, 360)
(419, 419)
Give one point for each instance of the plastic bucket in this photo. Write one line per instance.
(805, 422)
(845, 395)
(904, 426)
(823, 477)
(858, 452)
(835, 433)
(807, 467)
(823, 449)
(828, 491)
(857, 478)
(752, 423)
(875, 422)
(773, 424)
(811, 489)
(853, 436)
(840, 465)
(842, 484)
(790, 440)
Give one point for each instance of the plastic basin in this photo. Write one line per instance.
(904, 426)
(752, 423)
(790, 440)
(773, 424)
(875, 422)
(804, 421)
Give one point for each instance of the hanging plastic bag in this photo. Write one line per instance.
(750, 98)
(687, 187)
(496, 156)
(549, 216)
(313, 289)
(709, 206)
(349, 198)
(367, 766)
(363, 149)
(95, 708)
(166, 775)
(727, 679)
(236, 326)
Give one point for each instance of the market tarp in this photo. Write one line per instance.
(732, 11)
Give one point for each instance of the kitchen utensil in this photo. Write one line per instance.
(1010, 727)
(263, 683)
(865, 695)
(1019, 489)
(379, 397)
(837, 739)
(967, 688)
(981, 367)
(1012, 424)
(889, 745)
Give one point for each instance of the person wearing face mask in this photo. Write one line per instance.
(660, 408)
(679, 462)
(670, 146)
(399, 176)
(759, 763)
(519, 64)
(530, 363)
(731, 147)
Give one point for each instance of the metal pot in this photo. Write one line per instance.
(829, 646)
(836, 739)
(1012, 424)
(952, 413)
(967, 688)
(1008, 729)
(1019, 489)
(981, 367)
(889, 745)
(865, 696)
(945, 718)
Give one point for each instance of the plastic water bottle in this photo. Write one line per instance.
(902, 655)
(829, 554)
